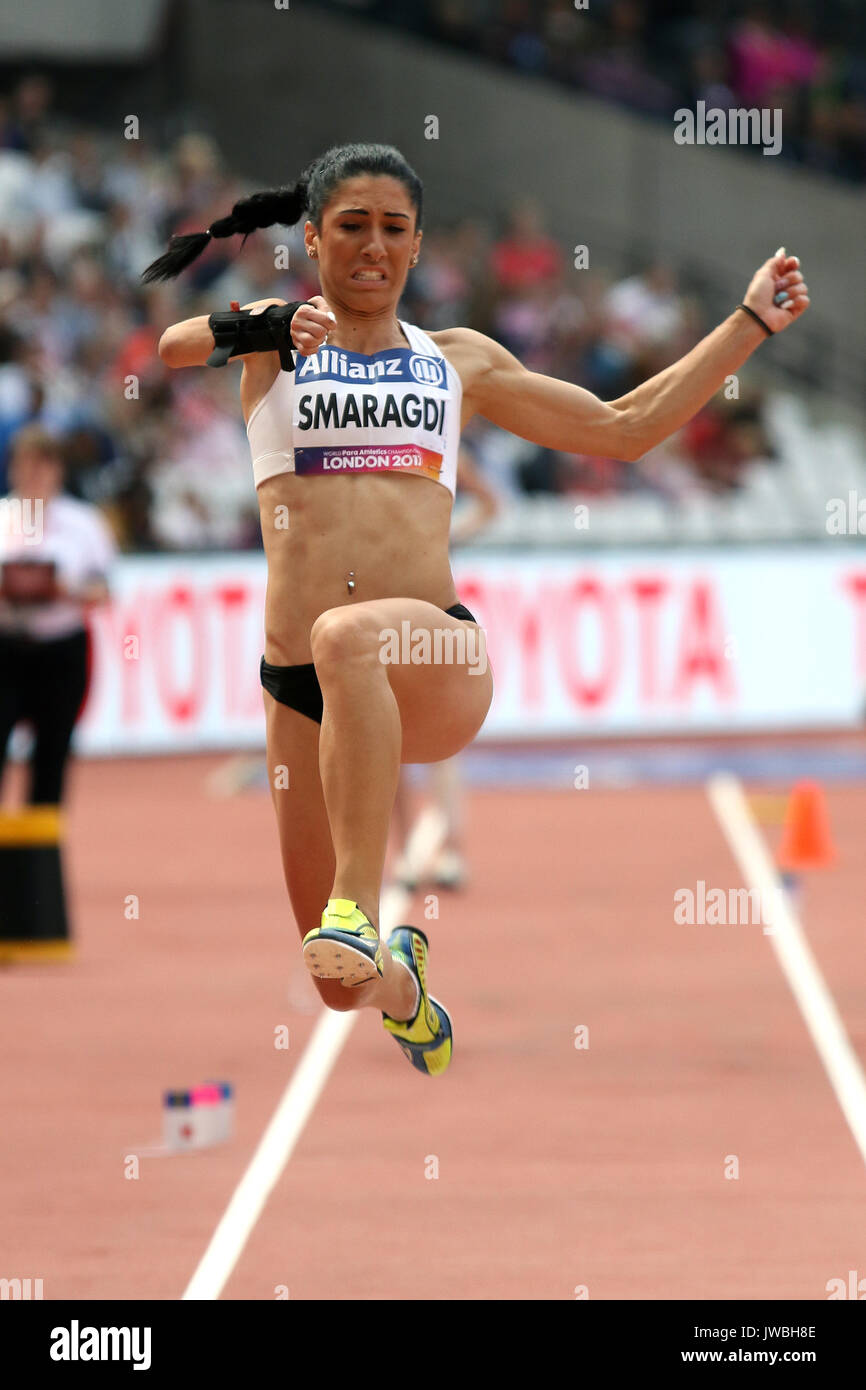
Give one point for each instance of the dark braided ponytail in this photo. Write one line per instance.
(282, 205)
(285, 206)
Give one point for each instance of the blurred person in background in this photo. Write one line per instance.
(541, 323)
(645, 310)
(199, 188)
(201, 498)
(257, 276)
(21, 394)
(526, 255)
(26, 113)
(55, 557)
(721, 441)
(766, 59)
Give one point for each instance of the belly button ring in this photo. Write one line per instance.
(350, 581)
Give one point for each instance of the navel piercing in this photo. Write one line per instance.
(350, 581)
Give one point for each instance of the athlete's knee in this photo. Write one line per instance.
(342, 634)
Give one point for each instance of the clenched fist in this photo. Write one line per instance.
(311, 325)
(778, 293)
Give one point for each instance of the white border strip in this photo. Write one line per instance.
(300, 1096)
(793, 952)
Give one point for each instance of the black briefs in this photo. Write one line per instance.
(298, 686)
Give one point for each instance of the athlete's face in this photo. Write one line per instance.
(367, 240)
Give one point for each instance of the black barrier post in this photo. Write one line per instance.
(34, 924)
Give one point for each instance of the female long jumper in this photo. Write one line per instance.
(357, 553)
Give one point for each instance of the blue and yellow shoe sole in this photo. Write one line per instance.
(345, 947)
(427, 1039)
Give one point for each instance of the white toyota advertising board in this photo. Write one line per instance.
(628, 642)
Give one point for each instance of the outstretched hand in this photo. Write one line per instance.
(779, 276)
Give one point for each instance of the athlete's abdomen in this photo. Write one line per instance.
(390, 532)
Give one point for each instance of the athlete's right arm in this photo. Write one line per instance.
(190, 343)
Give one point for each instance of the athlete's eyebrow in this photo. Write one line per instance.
(365, 212)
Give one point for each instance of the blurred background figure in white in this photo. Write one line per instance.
(55, 556)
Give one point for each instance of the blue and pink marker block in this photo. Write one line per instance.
(199, 1117)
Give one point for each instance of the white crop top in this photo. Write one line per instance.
(341, 411)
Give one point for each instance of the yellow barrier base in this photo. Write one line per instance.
(31, 825)
(34, 924)
(12, 951)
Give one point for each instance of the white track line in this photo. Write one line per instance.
(793, 952)
(300, 1096)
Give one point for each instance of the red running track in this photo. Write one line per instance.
(558, 1167)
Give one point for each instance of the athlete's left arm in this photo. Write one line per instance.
(559, 415)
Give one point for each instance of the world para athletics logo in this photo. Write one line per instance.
(428, 370)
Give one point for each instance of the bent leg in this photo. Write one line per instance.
(381, 712)
(308, 853)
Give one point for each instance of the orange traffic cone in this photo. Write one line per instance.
(807, 842)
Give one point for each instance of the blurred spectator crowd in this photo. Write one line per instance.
(655, 56)
(165, 453)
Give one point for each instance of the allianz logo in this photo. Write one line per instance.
(428, 370)
(352, 366)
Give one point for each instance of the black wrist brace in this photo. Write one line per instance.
(239, 331)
